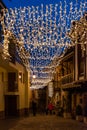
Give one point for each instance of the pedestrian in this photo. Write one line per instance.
(34, 107)
(46, 110)
(50, 108)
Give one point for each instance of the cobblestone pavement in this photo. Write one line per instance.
(42, 122)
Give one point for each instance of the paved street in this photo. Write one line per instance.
(41, 122)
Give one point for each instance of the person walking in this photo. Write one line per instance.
(34, 107)
(50, 108)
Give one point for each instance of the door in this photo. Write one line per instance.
(11, 105)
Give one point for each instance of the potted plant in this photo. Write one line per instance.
(79, 113)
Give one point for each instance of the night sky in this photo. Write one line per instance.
(22, 3)
(37, 53)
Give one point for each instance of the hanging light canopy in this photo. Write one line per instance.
(41, 34)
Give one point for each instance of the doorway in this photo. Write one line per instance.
(11, 105)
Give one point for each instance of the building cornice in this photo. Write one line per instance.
(2, 4)
(67, 56)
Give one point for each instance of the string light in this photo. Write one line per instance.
(41, 34)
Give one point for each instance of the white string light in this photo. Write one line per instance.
(41, 33)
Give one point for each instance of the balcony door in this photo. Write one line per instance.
(11, 81)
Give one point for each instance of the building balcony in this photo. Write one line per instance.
(67, 79)
(56, 85)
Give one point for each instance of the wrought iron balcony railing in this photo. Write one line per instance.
(67, 79)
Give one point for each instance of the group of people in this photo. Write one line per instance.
(49, 109)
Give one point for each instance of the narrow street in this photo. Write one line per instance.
(43, 64)
(42, 122)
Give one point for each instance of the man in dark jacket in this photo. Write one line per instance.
(34, 107)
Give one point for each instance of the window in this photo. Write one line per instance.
(81, 61)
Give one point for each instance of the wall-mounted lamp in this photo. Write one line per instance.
(34, 76)
(20, 76)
